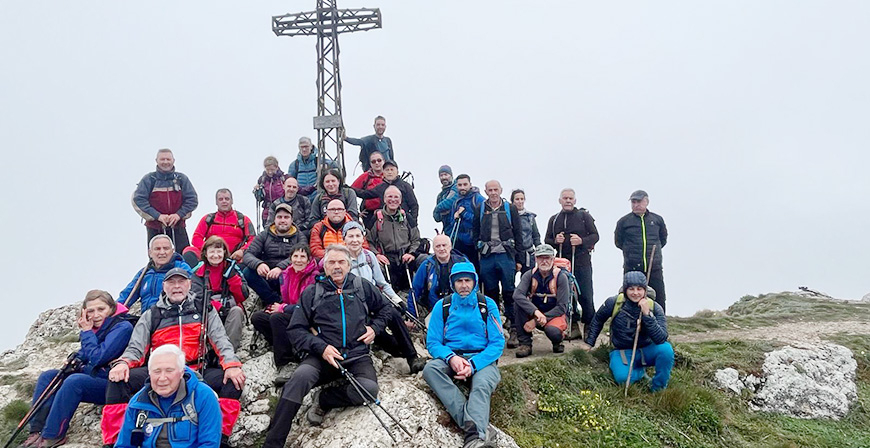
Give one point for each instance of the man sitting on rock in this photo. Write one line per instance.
(269, 254)
(653, 348)
(174, 409)
(466, 340)
(147, 284)
(339, 306)
(542, 300)
(177, 316)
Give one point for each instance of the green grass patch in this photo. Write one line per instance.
(572, 401)
(767, 310)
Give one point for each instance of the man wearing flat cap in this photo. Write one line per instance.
(636, 234)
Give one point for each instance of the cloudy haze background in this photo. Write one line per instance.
(746, 121)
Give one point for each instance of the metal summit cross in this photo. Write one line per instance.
(327, 22)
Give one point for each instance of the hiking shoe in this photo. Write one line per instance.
(512, 341)
(558, 348)
(32, 440)
(475, 443)
(490, 437)
(316, 413)
(416, 365)
(280, 381)
(523, 351)
(51, 443)
(575, 333)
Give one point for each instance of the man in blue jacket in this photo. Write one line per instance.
(465, 340)
(375, 142)
(432, 280)
(304, 168)
(175, 409)
(445, 199)
(460, 227)
(147, 284)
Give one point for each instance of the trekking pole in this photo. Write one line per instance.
(455, 231)
(203, 337)
(637, 330)
(135, 289)
(411, 288)
(69, 364)
(368, 399)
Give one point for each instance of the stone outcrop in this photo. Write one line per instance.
(53, 336)
(803, 382)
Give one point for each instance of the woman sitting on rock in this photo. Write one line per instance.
(653, 348)
(226, 287)
(272, 322)
(103, 337)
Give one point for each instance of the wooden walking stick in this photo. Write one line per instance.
(637, 330)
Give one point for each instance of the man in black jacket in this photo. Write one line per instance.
(573, 233)
(497, 230)
(636, 234)
(337, 305)
(269, 254)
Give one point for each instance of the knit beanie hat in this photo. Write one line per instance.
(445, 169)
(634, 278)
(350, 225)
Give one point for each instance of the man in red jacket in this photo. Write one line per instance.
(231, 225)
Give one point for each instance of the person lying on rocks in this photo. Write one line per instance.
(365, 264)
(348, 312)
(542, 300)
(272, 322)
(466, 340)
(177, 316)
(653, 348)
(103, 336)
(174, 409)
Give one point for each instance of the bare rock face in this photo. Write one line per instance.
(54, 335)
(866, 297)
(729, 379)
(812, 382)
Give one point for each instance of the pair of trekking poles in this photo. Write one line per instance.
(369, 399)
(71, 365)
(407, 313)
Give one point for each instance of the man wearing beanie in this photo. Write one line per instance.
(653, 348)
(465, 339)
(445, 199)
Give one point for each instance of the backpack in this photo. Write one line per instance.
(209, 220)
(319, 292)
(481, 306)
(551, 287)
(620, 299)
(144, 425)
(507, 208)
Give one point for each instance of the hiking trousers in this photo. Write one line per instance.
(554, 329)
(53, 417)
(583, 274)
(471, 414)
(659, 355)
(269, 291)
(498, 269)
(398, 343)
(274, 329)
(178, 234)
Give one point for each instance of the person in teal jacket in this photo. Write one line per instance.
(163, 258)
(465, 347)
(174, 409)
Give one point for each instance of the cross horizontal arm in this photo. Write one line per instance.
(307, 23)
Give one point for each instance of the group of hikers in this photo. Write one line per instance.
(328, 267)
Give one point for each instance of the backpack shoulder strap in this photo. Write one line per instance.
(484, 312)
(156, 317)
(380, 216)
(209, 220)
(620, 299)
(241, 219)
(445, 312)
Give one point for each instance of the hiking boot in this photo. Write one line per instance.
(558, 348)
(475, 443)
(512, 341)
(32, 440)
(575, 333)
(490, 437)
(416, 365)
(51, 443)
(523, 351)
(316, 413)
(280, 381)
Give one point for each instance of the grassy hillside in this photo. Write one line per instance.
(572, 401)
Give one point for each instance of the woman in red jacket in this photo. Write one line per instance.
(226, 286)
(273, 321)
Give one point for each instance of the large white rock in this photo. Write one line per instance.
(729, 379)
(811, 382)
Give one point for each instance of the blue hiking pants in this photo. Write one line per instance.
(268, 290)
(659, 355)
(495, 269)
(472, 414)
(53, 418)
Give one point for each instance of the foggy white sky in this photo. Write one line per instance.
(747, 122)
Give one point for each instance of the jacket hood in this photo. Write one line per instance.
(464, 268)
(472, 192)
(274, 230)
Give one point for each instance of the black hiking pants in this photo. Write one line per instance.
(273, 327)
(399, 342)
